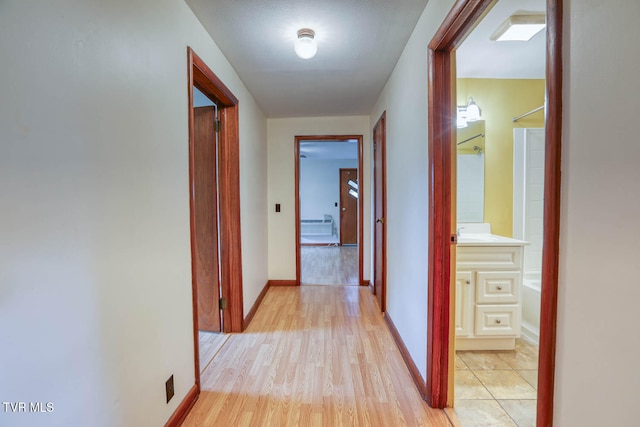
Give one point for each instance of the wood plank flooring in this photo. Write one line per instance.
(210, 343)
(312, 356)
(329, 265)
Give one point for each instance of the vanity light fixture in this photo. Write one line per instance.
(467, 113)
(473, 111)
(305, 45)
(520, 26)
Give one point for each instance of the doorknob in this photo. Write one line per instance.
(380, 220)
(344, 209)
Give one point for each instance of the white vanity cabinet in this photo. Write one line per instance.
(488, 301)
(464, 304)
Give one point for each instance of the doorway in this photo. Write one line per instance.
(329, 209)
(496, 324)
(380, 212)
(463, 17)
(206, 242)
(216, 261)
(205, 197)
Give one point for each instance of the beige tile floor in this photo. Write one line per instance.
(497, 388)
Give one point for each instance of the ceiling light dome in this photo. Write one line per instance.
(306, 46)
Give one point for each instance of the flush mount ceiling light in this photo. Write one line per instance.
(520, 27)
(306, 46)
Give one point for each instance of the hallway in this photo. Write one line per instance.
(312, 356)
(329, 265)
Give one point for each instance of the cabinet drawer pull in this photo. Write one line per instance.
(468, 282)
(499, 288)
(498, 321)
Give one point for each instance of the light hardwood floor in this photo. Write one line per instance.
(312, 356)
(210, 344)
(329, 265)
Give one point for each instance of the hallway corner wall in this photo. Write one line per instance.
(598, 293)
(404, 98)
(95, 276)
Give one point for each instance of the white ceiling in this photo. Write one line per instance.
(359, 43)
(479, 57)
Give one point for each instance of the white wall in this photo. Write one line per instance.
(405, 100)
(95, 270)
(320, 188)
(597, 374)
(282, 231)
(253, 196)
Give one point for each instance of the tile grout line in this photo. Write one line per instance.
(493, 397)
(483, 384)
(507, 412)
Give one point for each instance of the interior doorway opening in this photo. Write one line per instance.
(206, 237)
(497, 203)
(329, 209)
(205, 196)
(379, 285)
(216, 256)
(442, 233)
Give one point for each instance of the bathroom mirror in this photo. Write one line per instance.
(470, 177)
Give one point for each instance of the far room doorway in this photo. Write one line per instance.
(329, 210)
(214, 211)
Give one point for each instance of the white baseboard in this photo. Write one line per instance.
(530, 333)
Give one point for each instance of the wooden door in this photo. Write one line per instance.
(349, 191)
(380, 228)
(205, 194)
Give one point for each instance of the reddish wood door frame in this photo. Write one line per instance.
(205, 204)
(461, 20)
(200, 75)
(380, 211)
(300, 138)
(348, 208)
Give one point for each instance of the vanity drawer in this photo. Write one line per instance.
(489, 257)
(498, 287)
(497, 320)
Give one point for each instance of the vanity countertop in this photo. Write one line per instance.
(468, 239)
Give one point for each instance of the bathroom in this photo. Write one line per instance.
(500, 175)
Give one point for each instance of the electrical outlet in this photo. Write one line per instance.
(168, 386)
